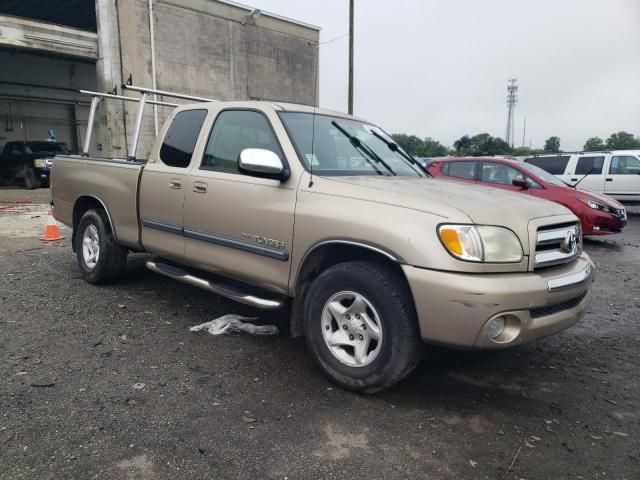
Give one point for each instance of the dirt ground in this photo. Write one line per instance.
(108, 382)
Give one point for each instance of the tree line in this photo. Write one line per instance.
(484, 144)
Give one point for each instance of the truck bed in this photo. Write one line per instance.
(113, 182)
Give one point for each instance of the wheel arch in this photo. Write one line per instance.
(324, 255)
(83, 204)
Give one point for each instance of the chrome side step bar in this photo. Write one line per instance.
(229, 291)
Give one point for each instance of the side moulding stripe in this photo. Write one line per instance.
(165, 227)
(282, 255)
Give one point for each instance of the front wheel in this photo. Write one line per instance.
(100, 258)
(361, 327)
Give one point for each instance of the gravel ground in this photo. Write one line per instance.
(108, 382)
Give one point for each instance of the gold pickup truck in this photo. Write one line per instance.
(322, 215)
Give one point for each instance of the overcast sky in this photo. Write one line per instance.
(439, 68)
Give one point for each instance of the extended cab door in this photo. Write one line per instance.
(164, 183)
(623, 178)
(238, 225)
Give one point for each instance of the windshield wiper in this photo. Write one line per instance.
(363, 147)
(585, 176)
(396, 149)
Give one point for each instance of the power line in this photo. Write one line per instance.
(329, 41)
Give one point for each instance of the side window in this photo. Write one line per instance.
(555, 165)
(591, 165)
(500, 173)
(232, 132)
(624, 165)
(462, 170)
(181, 137)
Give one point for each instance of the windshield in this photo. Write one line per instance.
(542, 174)
(334, 154)
(47, 147)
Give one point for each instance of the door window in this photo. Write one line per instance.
(182, 135)
(234, 131)
(592, 165)
(465, 170)
(624, 165)
(504, 174)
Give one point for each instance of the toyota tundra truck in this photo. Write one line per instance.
(321, 215)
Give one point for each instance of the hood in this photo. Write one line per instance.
(455, 201)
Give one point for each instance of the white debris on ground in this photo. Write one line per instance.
(235, 323)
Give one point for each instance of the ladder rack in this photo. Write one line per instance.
(142, 100)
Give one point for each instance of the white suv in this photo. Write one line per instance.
(616, 173)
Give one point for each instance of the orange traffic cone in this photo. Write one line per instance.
(52, 232)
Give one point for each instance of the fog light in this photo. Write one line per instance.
(496, 327)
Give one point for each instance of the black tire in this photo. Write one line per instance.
(112, 258)
(387, 291)
(30, 180)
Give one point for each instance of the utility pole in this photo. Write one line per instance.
(512, 99)
(350, 57)
(524, 130)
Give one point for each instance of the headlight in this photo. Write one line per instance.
(39, 163)
(481, 243)
(592, 204)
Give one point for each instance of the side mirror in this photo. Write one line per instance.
(519, 182)
(262, 163)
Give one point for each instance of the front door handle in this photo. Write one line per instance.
(173, 183)
(574, 179)
(200, 187)
(609, 180)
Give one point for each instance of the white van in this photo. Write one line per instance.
(616, 173)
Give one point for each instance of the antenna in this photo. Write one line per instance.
(512, 99)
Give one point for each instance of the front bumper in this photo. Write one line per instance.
(455, 309)
(595, 222)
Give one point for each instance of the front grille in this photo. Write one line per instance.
(557, 308)
(557, 244)
(621, 213)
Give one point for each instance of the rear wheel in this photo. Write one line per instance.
(361, 327)
(100, 258)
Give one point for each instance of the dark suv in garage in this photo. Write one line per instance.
(29, 163)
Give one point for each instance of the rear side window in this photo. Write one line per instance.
(181, 137)
(555, 165)
(465, 170)
(592, 165)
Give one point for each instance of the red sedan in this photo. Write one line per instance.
(598, 214)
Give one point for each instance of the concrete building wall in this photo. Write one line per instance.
(205, 48)
(39, 92)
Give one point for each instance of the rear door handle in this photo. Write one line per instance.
(173, 183)
(609, 180)
(200, 187)
(574, 179)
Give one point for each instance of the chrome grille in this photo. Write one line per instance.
(557, 244)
